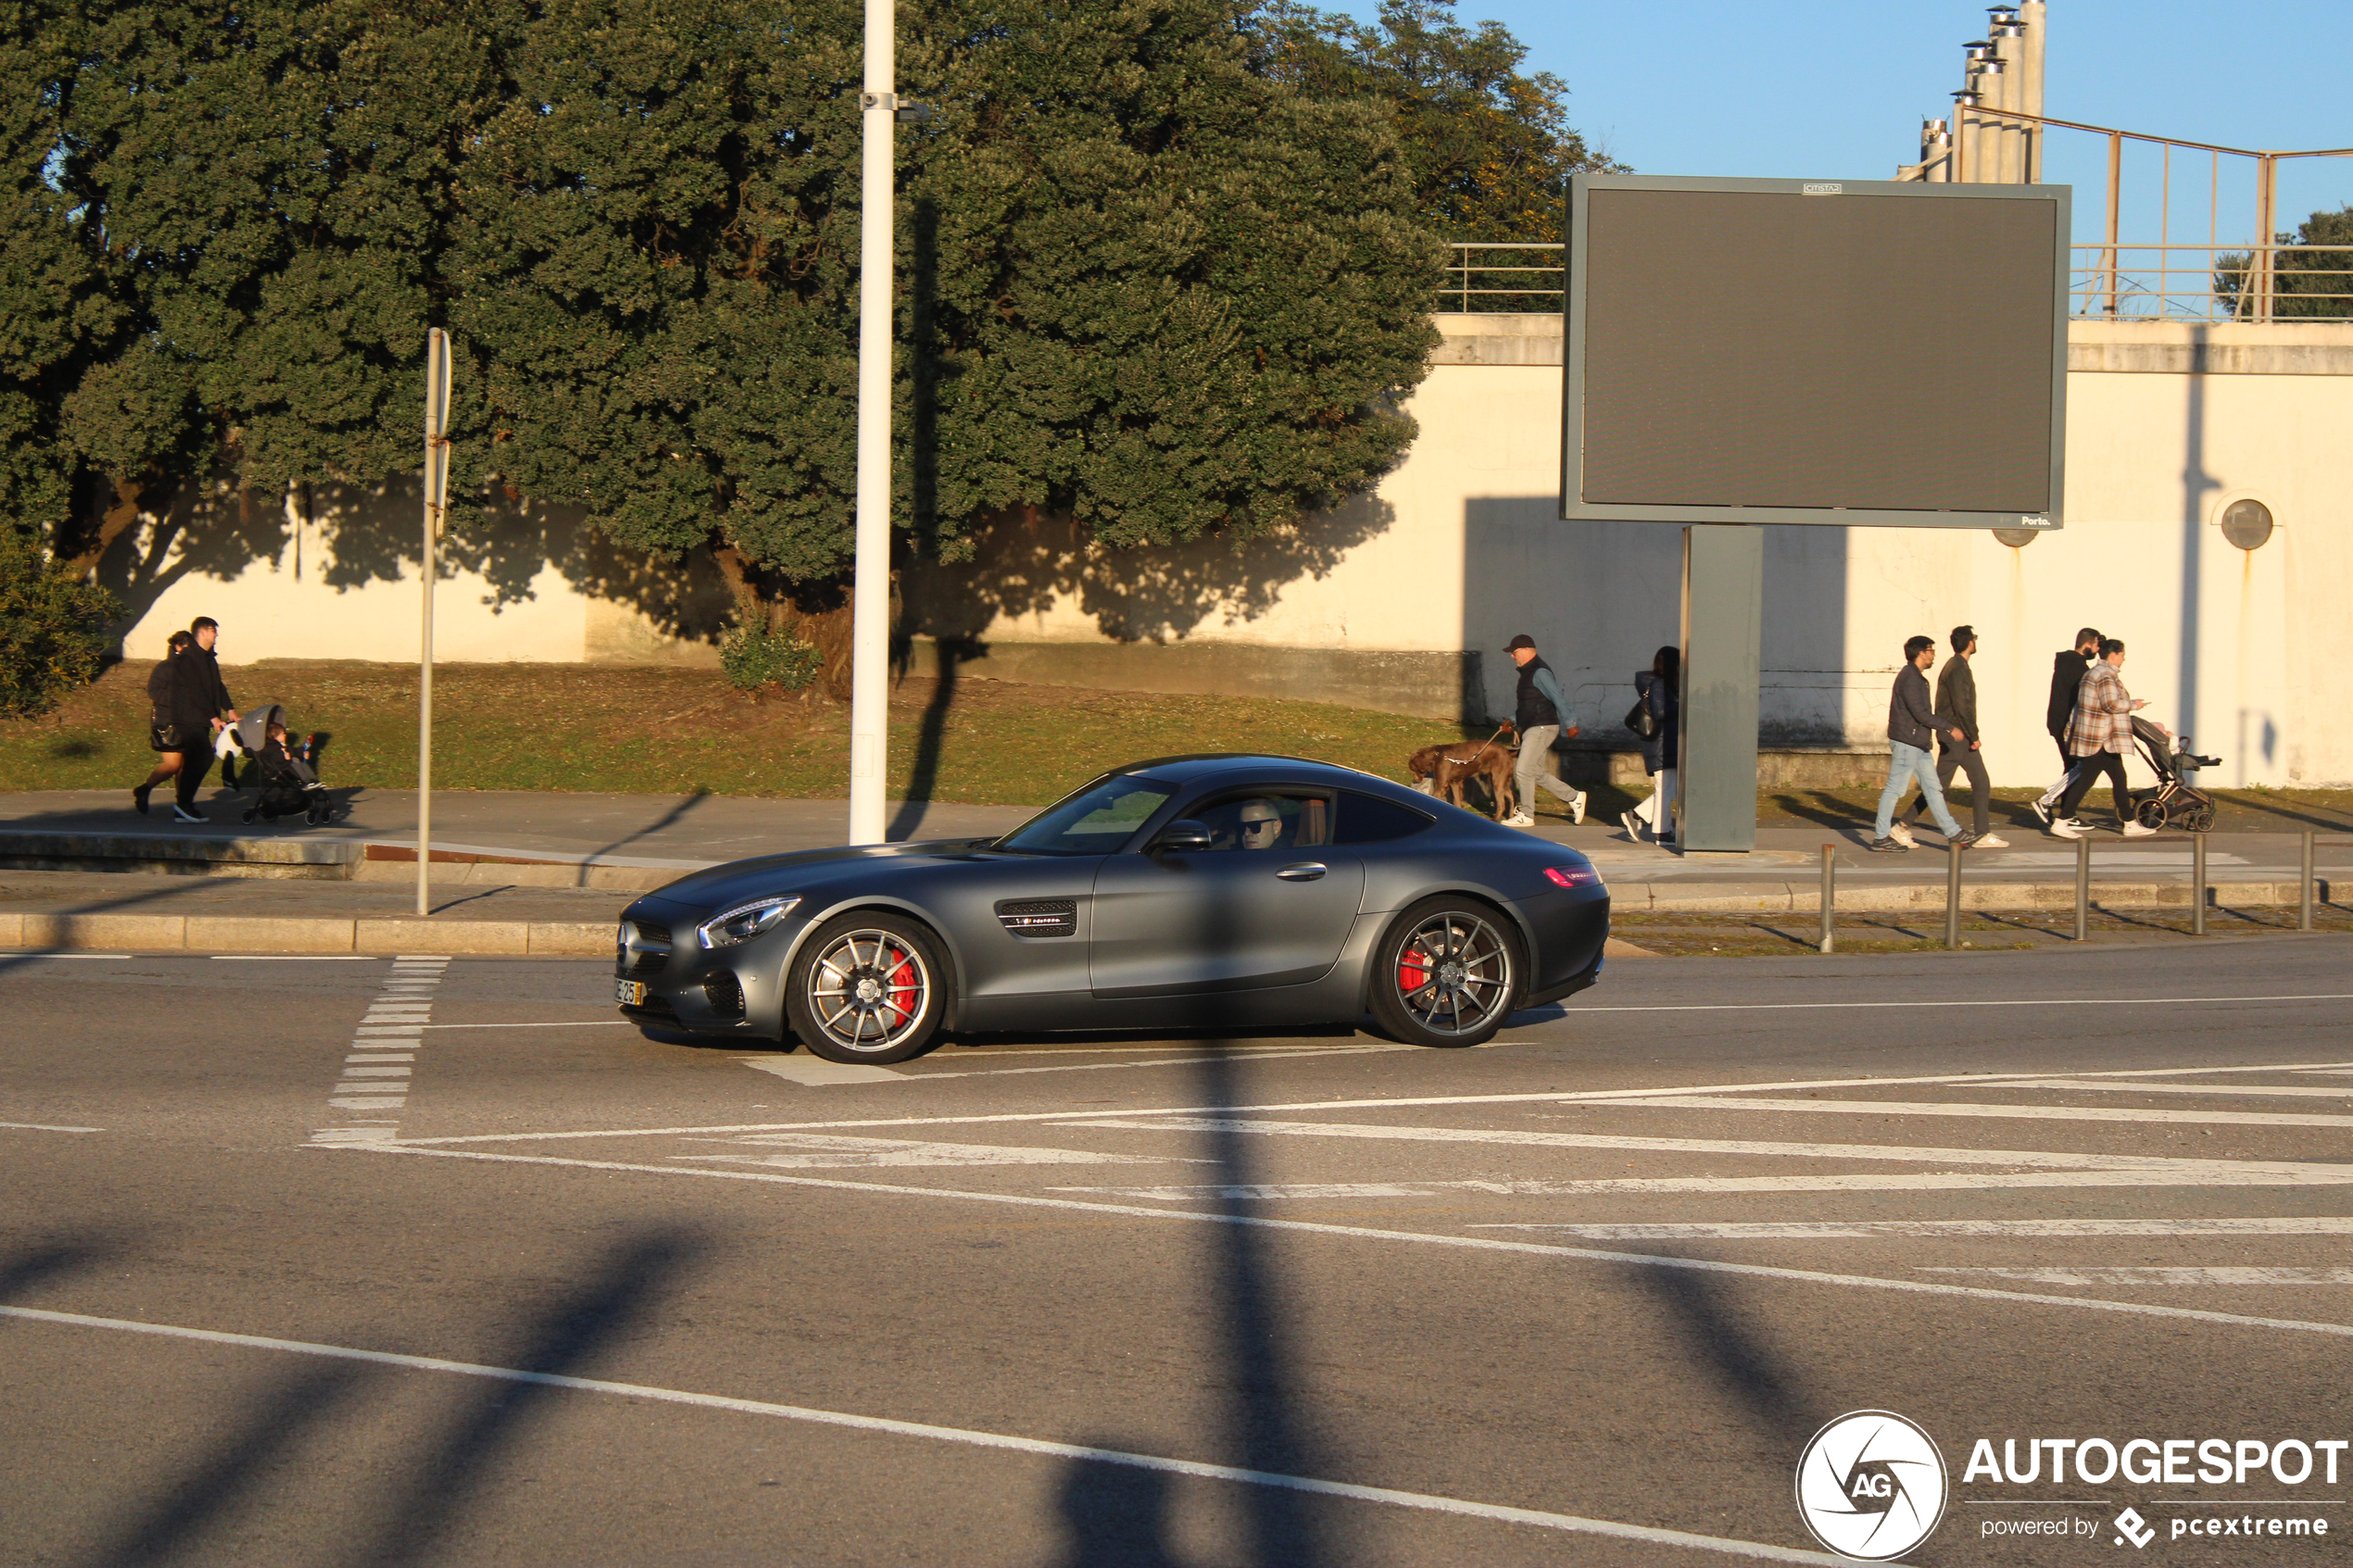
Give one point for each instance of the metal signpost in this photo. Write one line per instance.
(870, 600)
(437, 503)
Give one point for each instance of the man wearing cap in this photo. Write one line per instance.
(1541, 714)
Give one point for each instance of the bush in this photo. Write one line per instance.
(52, 629)
(756, 657)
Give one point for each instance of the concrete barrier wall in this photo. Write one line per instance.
(1402, 600)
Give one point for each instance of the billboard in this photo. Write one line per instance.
(1845, 352)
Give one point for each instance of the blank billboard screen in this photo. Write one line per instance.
(1771, 351)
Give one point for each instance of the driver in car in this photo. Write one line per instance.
(1262, 825)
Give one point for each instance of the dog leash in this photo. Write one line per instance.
(1482, 745)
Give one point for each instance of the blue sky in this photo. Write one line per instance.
(1838, 90)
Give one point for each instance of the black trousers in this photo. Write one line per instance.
(2067, 758)
(196, 761)
(2087, 771)
(1949, 761)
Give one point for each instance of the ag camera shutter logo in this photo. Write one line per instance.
(1871, 1485)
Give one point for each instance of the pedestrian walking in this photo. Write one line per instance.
(164, 736)
(1912, 720)
(1658, 707)
(198, 699)
(2069, 667)
(1544, 715)
(1956, 700)
(2099, 736)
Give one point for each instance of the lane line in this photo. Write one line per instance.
(575, 1024)
(1836, 1230)
(2285, 1091)
(1973, 1002)
(1424, 1239)
(2001, 1113)
(1556, 1096)
(46, 1127)
(919, 1075)
(2209, 1276)
(1423, 1501)
(79, 957)
(297, 958)
(2059, 1160)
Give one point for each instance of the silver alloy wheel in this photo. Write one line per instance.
(869, 990)
(1453, 973)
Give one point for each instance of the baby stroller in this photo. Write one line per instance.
(277, 769)
(2175, 800)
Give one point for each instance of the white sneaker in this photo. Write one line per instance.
(1903, 835)
(2134, 830)
(1519, 819)
(1633, 826)
(1992, 841)
(1577, 812)
(2061, 829)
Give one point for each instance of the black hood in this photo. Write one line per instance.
(740, 880)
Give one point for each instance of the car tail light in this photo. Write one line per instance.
(1572, 876)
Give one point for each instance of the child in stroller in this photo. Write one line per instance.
(277, 772)
(2174, 800)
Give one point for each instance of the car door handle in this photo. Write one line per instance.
(1306, 871)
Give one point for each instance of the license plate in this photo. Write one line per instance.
(629, 993)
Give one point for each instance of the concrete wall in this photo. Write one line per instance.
(1401, 599)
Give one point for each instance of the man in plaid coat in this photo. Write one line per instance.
(2097, 737)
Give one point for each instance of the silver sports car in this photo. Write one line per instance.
(1243, 892)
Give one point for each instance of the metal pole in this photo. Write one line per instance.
(436, 496)
(2303, 892)
(870, 613)
(2082, 888)
(2197, 880)
(2266, 172)
(2114, 185)
(2035, 15)
(1953, 896)
(1829, 895)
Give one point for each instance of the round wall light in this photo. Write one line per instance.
(2018, 538)
(2246, 523)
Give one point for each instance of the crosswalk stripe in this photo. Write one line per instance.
(2124, 1086)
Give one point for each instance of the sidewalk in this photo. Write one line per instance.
(548, 874)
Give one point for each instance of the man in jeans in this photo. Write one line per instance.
(1912, 720)
(1956, 700)
(1542, 710)
(2097, 738)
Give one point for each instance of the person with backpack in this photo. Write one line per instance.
(1654, 719)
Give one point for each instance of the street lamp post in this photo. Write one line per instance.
(870, 605)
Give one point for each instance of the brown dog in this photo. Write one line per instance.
(1443, 771)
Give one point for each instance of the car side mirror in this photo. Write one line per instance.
(1181, 835)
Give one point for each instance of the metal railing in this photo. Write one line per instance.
(1530, 278)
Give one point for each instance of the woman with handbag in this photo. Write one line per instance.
(1654, 719)
(164, 736)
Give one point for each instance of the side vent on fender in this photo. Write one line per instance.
(1039, 917)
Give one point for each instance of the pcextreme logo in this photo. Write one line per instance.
(1871, 1485)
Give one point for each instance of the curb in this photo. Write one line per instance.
(1805, 897)
(252, 934)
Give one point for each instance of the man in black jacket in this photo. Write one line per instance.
(1956, 700)
(199, 701)
(1912, 719)
(2068, 668)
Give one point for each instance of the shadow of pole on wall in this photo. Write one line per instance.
(923, 777)
(2195, 483)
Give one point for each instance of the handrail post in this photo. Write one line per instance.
(2303, 890)
(1953, 896)
(2082, 888)
(2115, 187)
(2198, 884)
(1830, 894)
(2266, 174)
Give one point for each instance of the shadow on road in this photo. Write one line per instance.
(1696, 1306)
(1117, 1516)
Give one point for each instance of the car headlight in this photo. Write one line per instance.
(743, 923)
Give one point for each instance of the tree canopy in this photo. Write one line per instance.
(1163, 265)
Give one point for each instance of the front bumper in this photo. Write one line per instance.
(736, 990)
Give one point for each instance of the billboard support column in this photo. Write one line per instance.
(1723, 620)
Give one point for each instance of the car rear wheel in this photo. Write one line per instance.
(868, 987)
(1446, 974)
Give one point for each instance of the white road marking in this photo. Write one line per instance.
(1263, 1190)
(1423, 1238)
(1999, 1112)
(1423, 1501)
(2162, 1276)
(375, 1072)
(74, 958)
(2112, 1085)
(1164, 1061)
(2031, 1159)
(1553, 1096)
(1832, 1229)
(1973, 1002)
(383, 1056)
(816, 1071)
(45, 1127)
(376, 1089)
(295, 958)
(575, 1024)
(813, 1151)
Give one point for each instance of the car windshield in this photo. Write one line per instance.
(1095, 820)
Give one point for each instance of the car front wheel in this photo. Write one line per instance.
(1446, 974)
(868, 987)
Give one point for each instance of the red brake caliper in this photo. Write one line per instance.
(900, 983)
(1412, 969)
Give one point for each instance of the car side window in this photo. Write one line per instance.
(1367, 819)
(1268, 820)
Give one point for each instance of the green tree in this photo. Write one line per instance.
(53, 628)
(2316, 283)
